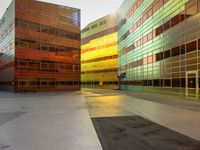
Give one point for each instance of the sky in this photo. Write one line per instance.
(90, 9)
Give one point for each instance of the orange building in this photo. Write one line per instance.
(46, 53)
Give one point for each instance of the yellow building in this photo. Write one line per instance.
(99, 53)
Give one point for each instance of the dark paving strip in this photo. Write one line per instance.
(6, 117)
(137, 133)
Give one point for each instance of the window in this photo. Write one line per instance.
(76, 83)
(175, 20)
(182, 16)
(161, 82)
(191, 8)
(76, 53)
(149, 13)
(156, 6)
(145, 39)
(138, 44)
(138, 3)
(139, 23)
(23, 24)
(2, 22)
(198, 5)
(32, 45)
(44, 29)
(145, 83)
(22, 64)
(5, 33)
(21, 83)
(86, 29)
(11, 27)
(75, 17)
(22, 44)
(94, 26)
(145, 61)
(183, 82)
(150, 59)
(11, 46)
(182, 49)
(167, 82)
(176, 83)
(145, 17)
(176, 51)
(44, 65)
(102, 22)
(52, 83)
(62, 34)
(159, 30)
(44, 83)
(156, 82)
(32, 65)
(52, 49)
(159, 56)
(167, 25)
(122, 22)
(34, 27)
(167, 54)
(44, 47)
(149, 36)
(76, 68)
(149, 82)
(191, 46)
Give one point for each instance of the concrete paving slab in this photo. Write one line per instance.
(53, 121)
(182, 120)
(6, 117)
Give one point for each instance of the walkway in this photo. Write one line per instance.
(109, 103)
(46, 121)
(60, 120)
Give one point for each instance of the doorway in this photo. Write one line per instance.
(192, 84)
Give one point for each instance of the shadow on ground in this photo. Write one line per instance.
(135, 132)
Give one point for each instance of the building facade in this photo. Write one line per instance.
(99, 53)
(7, 48)
(40, 47)
(159, 43)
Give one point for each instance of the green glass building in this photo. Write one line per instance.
(159, 43)
(7, 48)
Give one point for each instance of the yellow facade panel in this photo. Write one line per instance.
(99, 60)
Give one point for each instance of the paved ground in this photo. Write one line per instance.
(60, 120)
(181, 102)
(46, 121)
(177, 101)
(137, 133)
(110, 103)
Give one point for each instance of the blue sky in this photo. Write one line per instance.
(90, 9)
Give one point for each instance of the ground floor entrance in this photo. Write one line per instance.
(192, 84)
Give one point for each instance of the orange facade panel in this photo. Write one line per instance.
(46, 38)
(47, 14)
(47, 47)
(45, 75)
(32, 54)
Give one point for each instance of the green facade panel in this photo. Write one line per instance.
(7, 46)
(158, 46)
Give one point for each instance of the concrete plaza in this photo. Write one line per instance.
(46, 121)
(62, 120)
